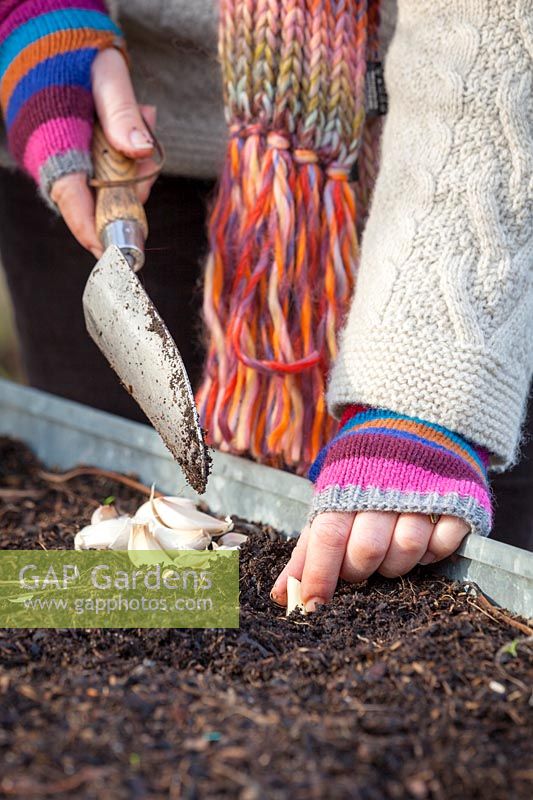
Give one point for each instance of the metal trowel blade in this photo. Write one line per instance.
(124, 323)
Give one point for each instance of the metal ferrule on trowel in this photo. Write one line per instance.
(126, 326)
(128, 236)
(120, 217)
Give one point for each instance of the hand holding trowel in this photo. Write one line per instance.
(124, 323)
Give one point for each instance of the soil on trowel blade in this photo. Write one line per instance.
(399, 689)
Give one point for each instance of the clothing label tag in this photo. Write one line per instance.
(376, 100)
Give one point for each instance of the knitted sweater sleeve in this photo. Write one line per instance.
(47, 48)
(441, 325)
(384, 461)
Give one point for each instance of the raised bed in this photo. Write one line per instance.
(412, 689)
(64, 434)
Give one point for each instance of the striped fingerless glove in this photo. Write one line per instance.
(47, 48)
(383, 461)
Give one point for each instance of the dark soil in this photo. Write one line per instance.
(399, 689)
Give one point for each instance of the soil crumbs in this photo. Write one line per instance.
(399, 689)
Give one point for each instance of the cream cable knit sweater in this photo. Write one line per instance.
(441, 325)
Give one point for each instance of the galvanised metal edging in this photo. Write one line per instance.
(502, 572)
(64, 434)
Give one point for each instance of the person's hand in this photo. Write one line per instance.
(122, 123)
(353, 546)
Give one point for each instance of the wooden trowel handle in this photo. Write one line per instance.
(120, 217)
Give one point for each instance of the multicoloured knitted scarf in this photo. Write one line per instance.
(284, 227)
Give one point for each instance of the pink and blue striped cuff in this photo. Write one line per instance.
(47, 48)
(384, 461)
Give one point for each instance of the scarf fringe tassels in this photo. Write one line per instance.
(283, 230)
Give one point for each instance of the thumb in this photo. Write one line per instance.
(116, 106)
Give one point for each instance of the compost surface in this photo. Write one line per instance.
(399, 689)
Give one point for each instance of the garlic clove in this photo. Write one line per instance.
(141, 539)
(186, 517)
(228, 547)
(294, 595)
(110, 534)
(182, 502)
(122, 540)
(232, 539)
(102, 513)
(179, 516)
(181, 540)
(144, 513)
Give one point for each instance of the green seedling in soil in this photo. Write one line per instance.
(511, 648)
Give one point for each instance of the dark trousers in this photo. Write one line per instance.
(46, 272)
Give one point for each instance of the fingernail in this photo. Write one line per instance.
(429, 558)
(312, 604)
(274, 596)
(140, 140)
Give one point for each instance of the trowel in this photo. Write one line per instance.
(124, 323)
